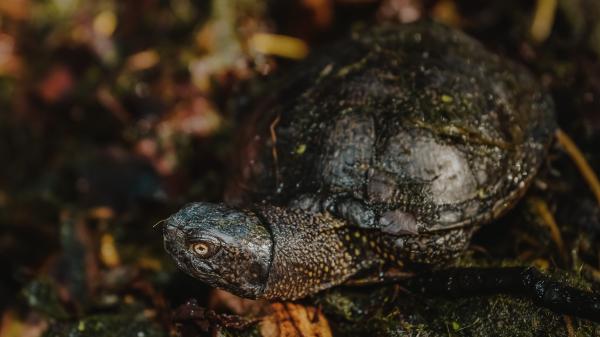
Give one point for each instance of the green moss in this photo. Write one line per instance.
(107, 325)
(389, 311)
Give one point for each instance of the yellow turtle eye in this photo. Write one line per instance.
(205, 249)
(200, 248)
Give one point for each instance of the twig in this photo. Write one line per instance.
(569, 325)
(579, 159)
(274, 150)
(542, 209)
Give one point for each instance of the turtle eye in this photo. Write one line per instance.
(205, 248)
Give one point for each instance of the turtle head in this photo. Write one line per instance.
(225, 247)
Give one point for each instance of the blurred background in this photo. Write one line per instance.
(115, 113)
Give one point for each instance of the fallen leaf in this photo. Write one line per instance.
(291, 320)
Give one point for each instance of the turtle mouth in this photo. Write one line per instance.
(168, 235)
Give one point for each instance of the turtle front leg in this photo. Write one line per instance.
(205, 318)
(525, 281)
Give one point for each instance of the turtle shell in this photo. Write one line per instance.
(412, 127)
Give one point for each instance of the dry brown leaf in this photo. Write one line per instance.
(294, 320)
(143, 60)
(57, 83)
(196, 116)
(446, 11)
(102, 213)
(11, 325)
(10, 63)
(322, 12)
(109, 255)
(15, 9)
(400, 10)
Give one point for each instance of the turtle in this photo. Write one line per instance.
(383, 152)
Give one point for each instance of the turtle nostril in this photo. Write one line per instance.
(169, 229)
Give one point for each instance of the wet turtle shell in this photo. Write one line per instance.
(409, 129)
